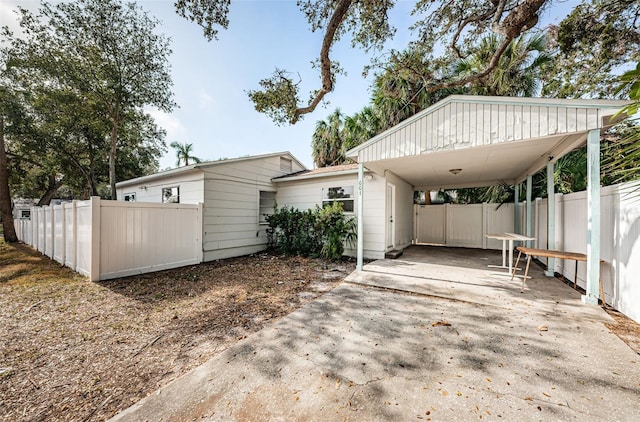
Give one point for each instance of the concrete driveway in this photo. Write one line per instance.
(427, 337)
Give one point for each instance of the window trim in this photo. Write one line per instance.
(170, 188)
(130, 194)
(352, 197)
(264, 222)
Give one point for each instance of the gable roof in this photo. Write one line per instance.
(469, 140)
(204, 165)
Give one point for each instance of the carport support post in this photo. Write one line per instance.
(529, 207)
(516, 210)
(360, 247)
(593, 218)
(551, 218)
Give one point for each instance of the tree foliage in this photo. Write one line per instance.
(183, 153)
(596, 40)
(454, 26)
(103, 58)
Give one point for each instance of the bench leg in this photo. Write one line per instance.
(575, 277)
(604, 303)
(526, 271)
(513, 273)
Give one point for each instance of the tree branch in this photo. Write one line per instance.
(325, 62)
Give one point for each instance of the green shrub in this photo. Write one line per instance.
(319, 232)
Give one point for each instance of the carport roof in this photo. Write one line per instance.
(488, 139)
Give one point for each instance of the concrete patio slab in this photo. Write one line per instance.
(364, 353)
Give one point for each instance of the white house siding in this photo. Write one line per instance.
(462, 122)
(231, 205)
(404, 211)
(307, 193)
(191, 184)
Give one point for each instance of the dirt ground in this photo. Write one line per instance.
(75, 350)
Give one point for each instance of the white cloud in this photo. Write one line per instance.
(205, 100)
(169, 122)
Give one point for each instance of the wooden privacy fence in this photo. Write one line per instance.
(110, 239)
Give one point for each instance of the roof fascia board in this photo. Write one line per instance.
(315, 176)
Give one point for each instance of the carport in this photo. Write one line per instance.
(475, 141)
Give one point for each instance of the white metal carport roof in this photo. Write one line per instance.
(491, 139)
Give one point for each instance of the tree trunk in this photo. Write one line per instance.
(52, 188)
(112, 157)
(5, 194)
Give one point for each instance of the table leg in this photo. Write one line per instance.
(510, 254)
(504, 253)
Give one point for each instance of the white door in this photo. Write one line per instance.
(390, 214)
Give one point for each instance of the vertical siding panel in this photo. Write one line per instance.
(592, 119)
(423, 134)
(460, 126)
(429, 137)
(526, 122)
(552, 122)
(562, 120)
(581, 119)
(572, 119)
(509, 123)
(543, 123)
(474, 126)
(535, 122)
(486, 124)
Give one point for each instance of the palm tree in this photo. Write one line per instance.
(327, 141)
(183, 153)
(519, 69)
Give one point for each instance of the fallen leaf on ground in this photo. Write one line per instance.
(441, 323)
(543, 328)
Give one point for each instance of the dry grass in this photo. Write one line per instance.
(71, 349)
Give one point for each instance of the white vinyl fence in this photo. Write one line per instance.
(466, 226)
(110, 239)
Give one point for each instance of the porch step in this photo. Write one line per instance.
(393, 254)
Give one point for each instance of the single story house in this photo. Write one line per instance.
(238, 193)
(461, 141)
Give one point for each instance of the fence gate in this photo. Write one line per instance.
(431, 224)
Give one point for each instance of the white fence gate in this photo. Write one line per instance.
(464, 225)
(110, 239)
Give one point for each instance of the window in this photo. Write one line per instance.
(341, 194)
(25, 213)
(285, 164)
(171, 195)
(130, 197)
(267, 205)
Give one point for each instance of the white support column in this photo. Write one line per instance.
(593, 218)
(516, 209)
(360, 247)
(551, 219)
(529, 208)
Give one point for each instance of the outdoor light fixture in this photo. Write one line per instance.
(368, 177)
(455, 171)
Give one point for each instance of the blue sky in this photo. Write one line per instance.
(211, 78)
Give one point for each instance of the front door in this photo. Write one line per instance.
(390, 215)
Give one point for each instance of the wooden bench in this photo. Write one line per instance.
(552, 254)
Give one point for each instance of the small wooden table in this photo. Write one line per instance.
(553, 254)
(510, 237)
